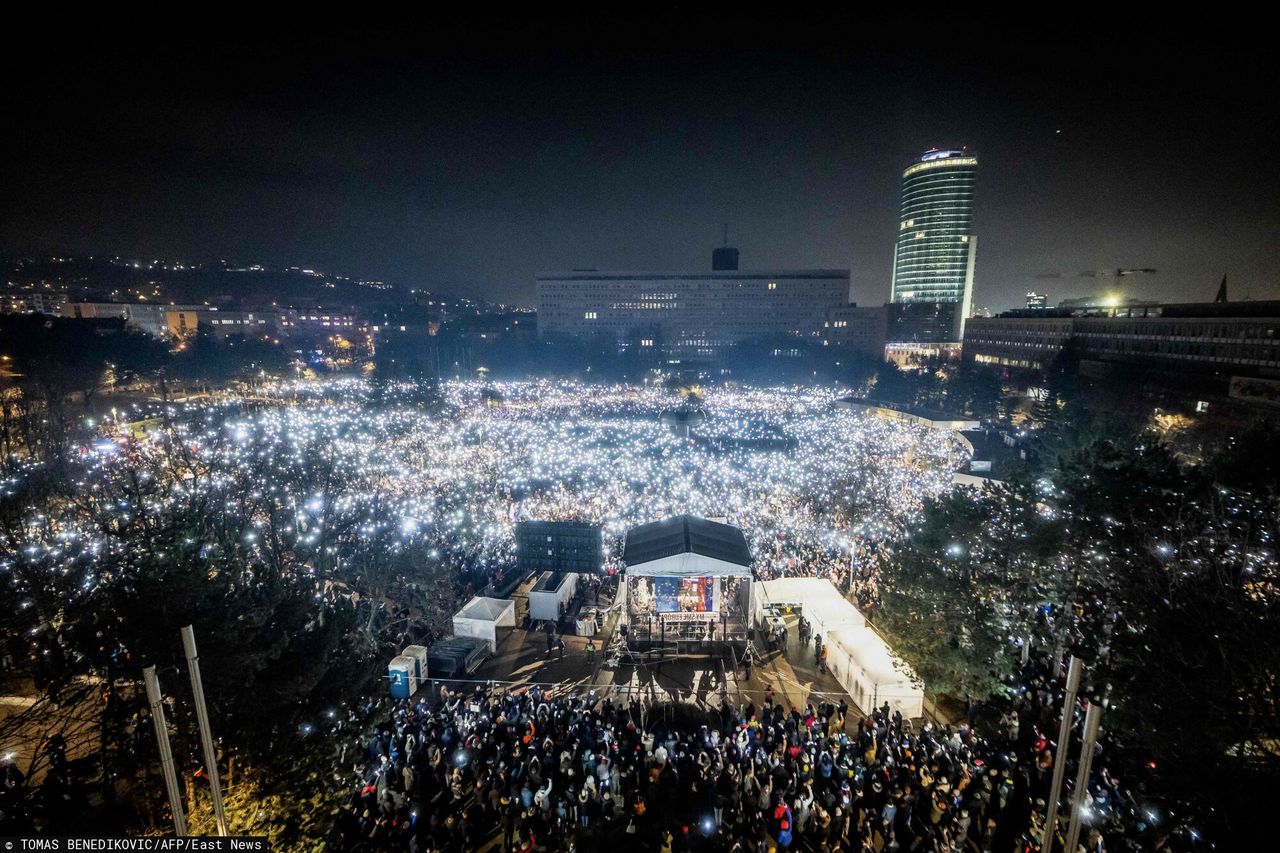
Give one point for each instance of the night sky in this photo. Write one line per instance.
(466, 155)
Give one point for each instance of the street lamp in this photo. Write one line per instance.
(1092, 722)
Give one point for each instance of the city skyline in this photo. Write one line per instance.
(473, 430)
(466, 169)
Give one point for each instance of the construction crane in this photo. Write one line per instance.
(1113, 276)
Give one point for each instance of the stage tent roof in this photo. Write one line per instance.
(481, 617)
(686, 534)
(486, 609)
(686, 546)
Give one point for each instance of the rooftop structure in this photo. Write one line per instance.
(686, 535)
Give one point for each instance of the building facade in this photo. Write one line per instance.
(1022, 342)
(183, 323)
(857, 329)
(1205, 344)
(32, 302)
(919, 331)
(1242, 335)
(149, 317)
(689, 314)
(936, 251)
(317, 323)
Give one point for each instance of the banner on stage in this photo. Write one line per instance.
(687, 616)
(684, 595)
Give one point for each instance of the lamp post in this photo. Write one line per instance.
(166, 754)
(1060, 756)
(206, 735)
(1080, 798)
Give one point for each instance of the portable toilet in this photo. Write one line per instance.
(403, 681)
(419, 655)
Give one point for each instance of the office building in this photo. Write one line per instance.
(149, 317)
(1037, 300)
(936, 249)
(1231, 348)
(32, 302)
(309, 324)
(319, 322)
(857, 329)
(919, 331)
(182, 323)
(689, 314)
(1108, 306)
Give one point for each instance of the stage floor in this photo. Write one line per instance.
(523, 661)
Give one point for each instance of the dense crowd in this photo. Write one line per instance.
(817, 489)
(525, 771)
(336, 487)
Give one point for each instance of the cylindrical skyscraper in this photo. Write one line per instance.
(934, 258)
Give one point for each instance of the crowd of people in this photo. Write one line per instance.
(531, 771)
(821, 503)
(816, 488)
(856, 573)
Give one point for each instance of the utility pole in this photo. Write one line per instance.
(1092, 721)
(166, 754)
(206, 735)
(1060, 756)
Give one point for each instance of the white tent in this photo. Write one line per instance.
(832, 612)
(786, 592)
(871, 674)
(864, 665)
(821, 603)
(482, 617)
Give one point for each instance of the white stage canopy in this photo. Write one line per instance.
(685, 546)
(688, 569)
(859, 659)
(823, 605)
(688, 566)
(482, 617)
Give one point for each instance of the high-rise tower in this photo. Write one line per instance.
(934, 258)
